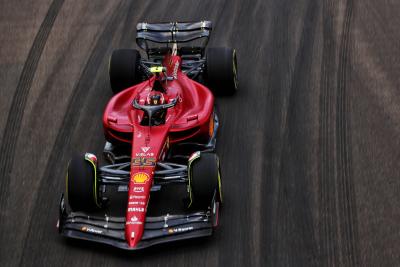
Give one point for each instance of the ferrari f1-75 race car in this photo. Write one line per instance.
(160, 128)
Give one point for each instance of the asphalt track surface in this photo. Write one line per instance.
(310, 144)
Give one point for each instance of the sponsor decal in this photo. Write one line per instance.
(145, 148)
(137, 197)
(140, 178)
(136, 209)
(144, 162)
(133, 220)
(122, 188)
(136, 203)
(138, 189)
(130, 223)
(143, 154)
(180, 229)
(91, 230)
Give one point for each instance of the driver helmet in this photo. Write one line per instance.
(155, 98)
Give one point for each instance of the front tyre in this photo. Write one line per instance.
(82, 184)
(204, 180)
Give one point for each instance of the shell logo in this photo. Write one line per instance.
(140, 178)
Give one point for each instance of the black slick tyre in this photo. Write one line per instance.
(221, 70)
(124, 69)
(82, 186)
(204, 180)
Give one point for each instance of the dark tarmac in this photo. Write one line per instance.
(310, 145)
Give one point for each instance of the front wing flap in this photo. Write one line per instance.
(111, 230)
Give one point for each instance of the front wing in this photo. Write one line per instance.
(111, 230)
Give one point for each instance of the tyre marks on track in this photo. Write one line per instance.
(277, 87)
(338, 225)
(290, 232)
(14, 120)
(347, 208)
(327, 186)
(296, 156)
(85, 88)
(79, 95)
(298, 241)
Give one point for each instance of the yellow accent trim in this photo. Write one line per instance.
(219, 183)
(156, 69)
(95, 183)
(196, 155)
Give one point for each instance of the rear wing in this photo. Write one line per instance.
(172, 32)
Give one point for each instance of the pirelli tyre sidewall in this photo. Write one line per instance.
(204, 180)
(82, 184)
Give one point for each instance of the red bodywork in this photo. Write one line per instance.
(190, 118)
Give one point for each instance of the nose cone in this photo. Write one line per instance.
(132, 241)
(133, 234)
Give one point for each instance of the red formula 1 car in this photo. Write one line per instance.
(160, 130)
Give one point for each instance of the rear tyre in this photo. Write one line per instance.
(204, 180)
(82, 186)
(124, 69)
(221, 70)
